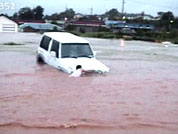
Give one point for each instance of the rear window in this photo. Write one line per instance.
(45, 42)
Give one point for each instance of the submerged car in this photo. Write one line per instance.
(65, 51)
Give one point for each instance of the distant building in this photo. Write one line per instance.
(60, 23)
(20, 22)
(87, 26)
(113, 22)
(78, 16)
(39, 27)
(148, 17)
(118, 25)
(135, 26)
(7, 24)
(137, 16)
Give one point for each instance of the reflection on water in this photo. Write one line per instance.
(122, 43)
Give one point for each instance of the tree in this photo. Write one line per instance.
(54, 16)
(38, 13)
(25, 13)
(167, 16)
(15, 16)
(68, 13)
(166, 20)
(113, 14)
(175, 23)
(160, 13)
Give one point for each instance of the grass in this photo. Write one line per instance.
(12, 44)
(144, 36)
(108, 35)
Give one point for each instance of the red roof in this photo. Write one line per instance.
(30, 21)
(88, 23)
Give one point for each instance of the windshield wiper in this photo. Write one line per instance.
(88, 56)
(69, 56)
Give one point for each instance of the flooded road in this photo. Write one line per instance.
(139, 95)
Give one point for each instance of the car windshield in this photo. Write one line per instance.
(75, 50)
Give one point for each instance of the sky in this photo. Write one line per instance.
(99, 6)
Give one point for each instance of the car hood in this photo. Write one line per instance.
(88, 64)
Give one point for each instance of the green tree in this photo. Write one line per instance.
(68, 13)
(113, 14)
(15, 16)
(160, 13)
(175, 23)
(166, 20)
(25, 13)
(54, 16)
(38, 13)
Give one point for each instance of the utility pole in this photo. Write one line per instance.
(123, 3)
(91, 11)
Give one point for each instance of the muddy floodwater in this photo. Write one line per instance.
(138, 96)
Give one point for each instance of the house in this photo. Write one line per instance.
(112, 23)
(78, 16)
(122, 25)
(39, 27)
(145, 27)
(20, 22)
(137, 16)
(7, 24)
(60, 23)
(87, 26)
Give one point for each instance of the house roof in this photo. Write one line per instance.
(8, 18)
(113, 22)
(40, 26)
(89, 23)
(134, 26)
(64, 37)
(30, 21)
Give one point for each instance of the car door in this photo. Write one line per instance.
(54, 59)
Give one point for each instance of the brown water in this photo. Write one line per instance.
(139, 95)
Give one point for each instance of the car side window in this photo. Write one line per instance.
(55, 47)
(45, 42)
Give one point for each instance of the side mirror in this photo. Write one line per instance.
(53, 54)
(94, 53)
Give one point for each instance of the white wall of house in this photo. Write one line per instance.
(7, 25)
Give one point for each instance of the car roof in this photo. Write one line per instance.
(64, 37)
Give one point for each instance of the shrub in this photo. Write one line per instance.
(100, 35)
(176, 42)
(144, 38)
(12, 44)
(76, 33)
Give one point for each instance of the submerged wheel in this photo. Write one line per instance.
(39, 60)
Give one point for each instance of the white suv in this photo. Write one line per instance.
(65, 51)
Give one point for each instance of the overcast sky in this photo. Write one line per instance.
(99, 6)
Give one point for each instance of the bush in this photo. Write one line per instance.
(173, 34)
(176, 42)
(90, 34)
(103, 29)
(12, 44)
(76, 33)
(100, 35)
(109, 36)
(144, 38)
